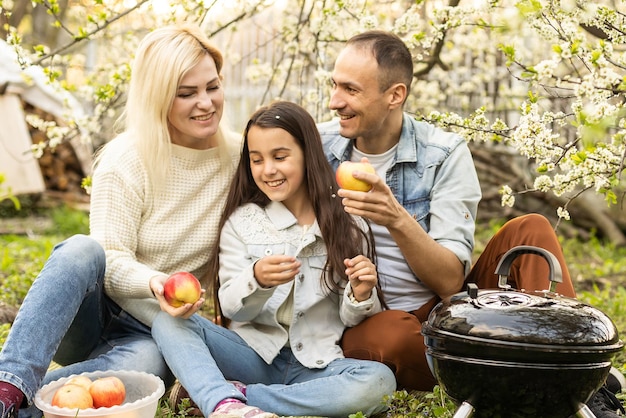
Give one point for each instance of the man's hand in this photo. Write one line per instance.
(378, 205)
(428, 260)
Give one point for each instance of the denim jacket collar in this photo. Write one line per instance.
(282, 218)
(407, 146)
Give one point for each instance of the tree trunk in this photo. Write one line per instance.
(497, 165)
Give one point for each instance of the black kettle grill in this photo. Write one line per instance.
(508, 353)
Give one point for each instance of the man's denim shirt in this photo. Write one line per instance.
(432, 176)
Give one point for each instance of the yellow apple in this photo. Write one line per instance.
(107, 391)
(72, 396)
(80, 380)
(181, 288)
(346, 180)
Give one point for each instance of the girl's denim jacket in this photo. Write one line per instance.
(319, 316)
(432, 176)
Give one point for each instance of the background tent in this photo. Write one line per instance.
(28, 86)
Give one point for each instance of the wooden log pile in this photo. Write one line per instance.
(61, 167)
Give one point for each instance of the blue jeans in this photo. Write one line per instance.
(203, 355)
(67, 317)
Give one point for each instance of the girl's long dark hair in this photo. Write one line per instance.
(341, 233)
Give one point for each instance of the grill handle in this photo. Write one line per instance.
(503, 269)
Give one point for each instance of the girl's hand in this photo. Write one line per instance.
(184, 311)
(275, 270)
(362, 275)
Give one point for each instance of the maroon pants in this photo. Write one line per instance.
(394, 337)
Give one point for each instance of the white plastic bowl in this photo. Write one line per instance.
(143, 391)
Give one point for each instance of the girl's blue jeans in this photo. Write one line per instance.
(67, 317)
(203, 355)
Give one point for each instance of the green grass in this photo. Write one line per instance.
(597, 268)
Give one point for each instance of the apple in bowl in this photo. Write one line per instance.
(143, 393)
(346, 180)
(181, 288)
(72, 395)
(107, 391)
(80, 392)
(80, 380)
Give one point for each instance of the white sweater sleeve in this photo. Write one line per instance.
(143, 234)
(117, 202)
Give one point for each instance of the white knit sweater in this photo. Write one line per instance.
(144, 237)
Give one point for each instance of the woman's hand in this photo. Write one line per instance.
(275, 270)
(362, 275)
(184, 311)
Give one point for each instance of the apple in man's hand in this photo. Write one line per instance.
(181, 288)
(107, 391)
(71, 395)
(344, 177)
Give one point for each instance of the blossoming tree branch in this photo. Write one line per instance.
(536, 86)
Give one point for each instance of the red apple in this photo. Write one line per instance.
(181, 288)
(107, 391)
(72, 396)
(346, 180)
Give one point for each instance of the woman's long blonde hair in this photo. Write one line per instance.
(162, 59)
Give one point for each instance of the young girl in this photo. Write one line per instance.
(293, 270)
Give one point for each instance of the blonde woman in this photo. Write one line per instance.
(157, 194)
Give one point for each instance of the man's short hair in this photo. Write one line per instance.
(392, 55)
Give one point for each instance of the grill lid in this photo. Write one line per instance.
(508, 317)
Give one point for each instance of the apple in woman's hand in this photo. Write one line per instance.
(346, 180)
(181, 288)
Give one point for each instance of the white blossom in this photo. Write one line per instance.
(563, 213)
(507, 196)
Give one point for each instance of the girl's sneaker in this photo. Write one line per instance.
(238, 409)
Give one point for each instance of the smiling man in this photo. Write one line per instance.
(422, 208)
